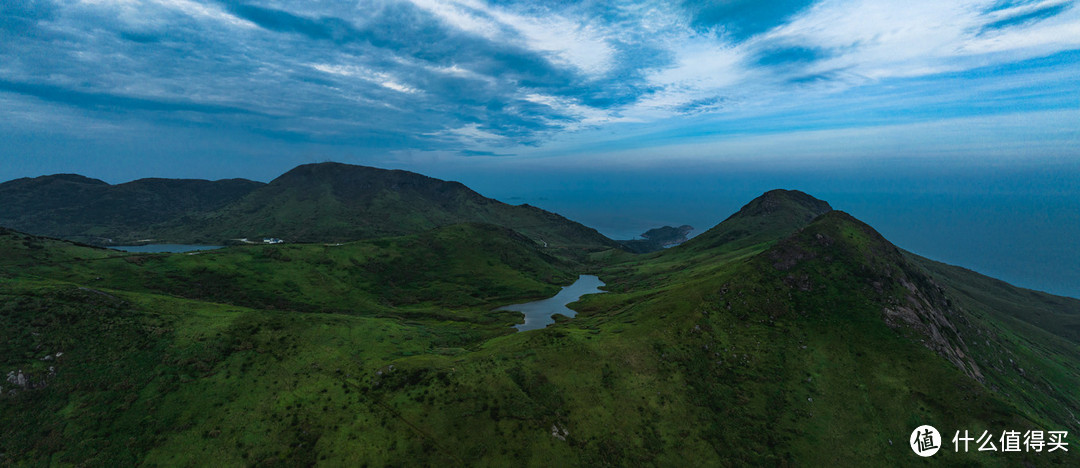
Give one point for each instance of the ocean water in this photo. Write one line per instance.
(1018, 223)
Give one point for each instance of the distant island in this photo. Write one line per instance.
(658, 238)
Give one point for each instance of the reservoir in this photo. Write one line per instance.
(164, 248)
(538, 313)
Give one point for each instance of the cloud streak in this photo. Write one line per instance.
(478, 77)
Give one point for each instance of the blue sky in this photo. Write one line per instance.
(177, 85)
(636, 108)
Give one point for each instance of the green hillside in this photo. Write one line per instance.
(453, 272)
(327, 202)
(791, 335)
(767, 218)
(332, 202)
(88, 210)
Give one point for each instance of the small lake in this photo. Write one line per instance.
(538, 313)
(164, 248)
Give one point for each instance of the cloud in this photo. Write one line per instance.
(112, 101)
(576, 43)
(382, 79)
(1016, 138)
(486, 76)
(873, 40)
(483, 153)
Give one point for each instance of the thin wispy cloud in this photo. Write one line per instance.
(479, 77)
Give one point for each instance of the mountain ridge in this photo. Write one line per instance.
(770, 216)
(90, 210)
(334, 202)
(319, 202)
(803, 343)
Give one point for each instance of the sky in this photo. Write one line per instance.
(619, 114)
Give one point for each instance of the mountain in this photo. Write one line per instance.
(793, 335)
(772, 215)
(826, 345)
(760, 223)
(327, 202)
(74, 207)
(333, 202)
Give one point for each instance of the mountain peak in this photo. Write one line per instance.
(769, 217)
(73, 178)
(325, 168)
(336, 169)
(787, 202)
(353, 180)
(336, 202)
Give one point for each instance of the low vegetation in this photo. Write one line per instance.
(788, 335)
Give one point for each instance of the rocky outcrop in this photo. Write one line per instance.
(931, 314)
(18, 380)
(838, 244)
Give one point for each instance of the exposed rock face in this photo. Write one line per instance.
(931, 314)
(909, 296)
(17, 378)
(20, 380)
(559, 432)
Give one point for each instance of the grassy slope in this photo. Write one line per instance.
(768, 218)
(737, 367)
(333, 202)
(454, 272)
(147, 378)
(713, 354)
(1053, 314)
(1027, 341)
(89, 210)
(20, 250)
(156, 378)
